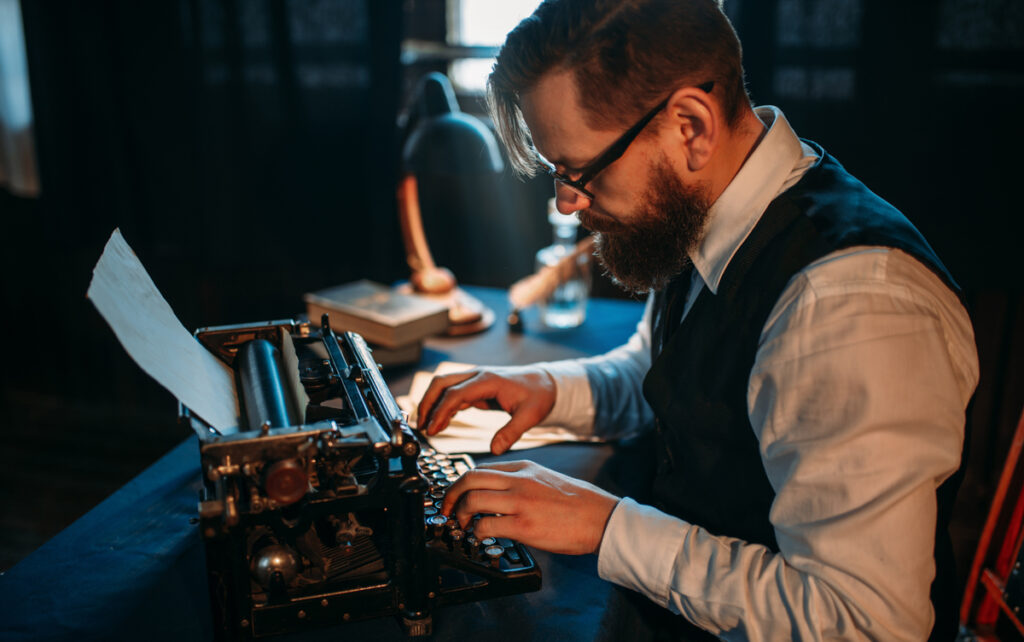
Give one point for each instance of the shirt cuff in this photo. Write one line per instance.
(639, 549)
(574, 406)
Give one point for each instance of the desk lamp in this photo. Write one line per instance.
(441, 140)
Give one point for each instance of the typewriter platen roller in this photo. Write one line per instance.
(323, 506)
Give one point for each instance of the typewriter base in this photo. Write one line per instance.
(456, 572)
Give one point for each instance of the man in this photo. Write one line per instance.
(803, 360)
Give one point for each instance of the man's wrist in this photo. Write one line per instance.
(604, 528)
(639, 549)
(574, 408)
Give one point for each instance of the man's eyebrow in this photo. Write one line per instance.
(565, 163)
(555, 162)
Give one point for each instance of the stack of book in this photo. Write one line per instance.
(393, 323)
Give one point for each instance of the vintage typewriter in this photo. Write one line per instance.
(323, 506)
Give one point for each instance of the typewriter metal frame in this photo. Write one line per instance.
(322, 521)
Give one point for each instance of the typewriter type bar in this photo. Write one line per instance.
(322, 506)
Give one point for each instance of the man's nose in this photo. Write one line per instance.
(568, 200)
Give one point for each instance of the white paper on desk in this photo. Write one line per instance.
(148, 329)
(471, 430)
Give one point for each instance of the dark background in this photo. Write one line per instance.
(248, 152)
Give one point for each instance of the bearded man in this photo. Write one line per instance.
(803, 363)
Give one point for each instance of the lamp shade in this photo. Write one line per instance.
(444, 140)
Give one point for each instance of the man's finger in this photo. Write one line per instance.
(436, 388)
(509, 526)
(522, 420)
(483, 501)
(476, 479)
(470, 391)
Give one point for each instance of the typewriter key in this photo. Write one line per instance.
(494, 553)
(437, 523)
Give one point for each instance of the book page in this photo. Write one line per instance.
(147, 327)
(472, 429)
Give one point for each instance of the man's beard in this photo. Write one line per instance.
(653, 246)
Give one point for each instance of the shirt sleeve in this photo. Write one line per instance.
(857, 397)
(614, 380)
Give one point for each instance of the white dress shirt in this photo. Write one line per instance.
(857, 396)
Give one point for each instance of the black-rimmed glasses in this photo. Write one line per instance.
(612, 153)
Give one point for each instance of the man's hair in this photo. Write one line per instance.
(624, 55)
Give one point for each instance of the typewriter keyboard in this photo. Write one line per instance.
(442, 470)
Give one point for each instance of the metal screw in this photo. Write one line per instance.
(346, 617)
(323, 602)
(302, 615)
(244, 624)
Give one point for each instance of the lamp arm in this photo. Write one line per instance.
(426, 276)
(417, 253)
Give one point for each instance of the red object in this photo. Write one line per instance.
(980, 611)
(286, 482)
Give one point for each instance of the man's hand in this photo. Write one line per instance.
(524, 501)
(527, 394)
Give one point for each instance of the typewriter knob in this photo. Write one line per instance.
(286, 482)
(274, 564)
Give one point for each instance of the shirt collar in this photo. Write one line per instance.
(776, 162)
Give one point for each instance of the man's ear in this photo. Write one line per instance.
(695, 124)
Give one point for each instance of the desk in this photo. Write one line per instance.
(133, 567)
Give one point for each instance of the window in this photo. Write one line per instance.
(481, 23)
(17, 144)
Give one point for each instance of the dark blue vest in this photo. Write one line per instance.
(709, 469)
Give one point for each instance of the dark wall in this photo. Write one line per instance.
(918, 99)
